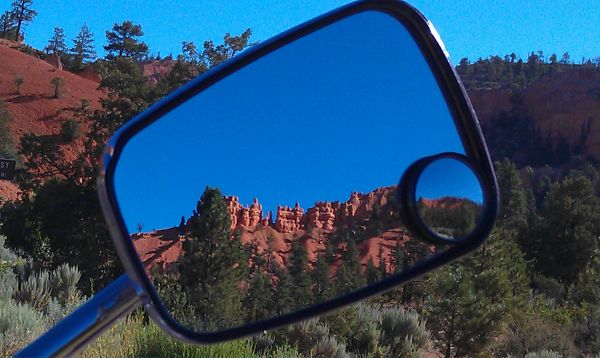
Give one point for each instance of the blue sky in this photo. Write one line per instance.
(470, 28)
(345, 109)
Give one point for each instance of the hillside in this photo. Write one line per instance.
(561, 106)
(34, 109)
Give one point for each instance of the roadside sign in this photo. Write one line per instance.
(7, 169)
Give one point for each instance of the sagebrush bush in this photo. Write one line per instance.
(365, 336)
(329, 347)
(63, 284)
(397, 324)
(544, 354)
(534, 334)
(8, 284)
(35, 290)
(19, 324)
(6, 255)
(305, 335)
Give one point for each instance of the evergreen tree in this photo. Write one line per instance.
(56, 44)
(213, 264)
(83, 49)
(282, 290)
(466, 306)
(383, 273)
(22, 13)
(258, 301)
(8, 25)
(193, 61)
(349, 276)
(398, 259)
(513, 199)
(320, 278)
(123, 41)
(372, 273)
(563, 238)
(297, 266)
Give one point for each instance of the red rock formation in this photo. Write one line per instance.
(273, 239)
(322, 215)
(288, 219)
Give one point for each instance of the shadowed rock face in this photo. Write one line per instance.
(312, 227)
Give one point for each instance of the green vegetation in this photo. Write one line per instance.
(20, 15)
(56, 45)
(18, 82)
(83, 50)
(70, 130)
(7, 146)
(530, 291)
(57, 84)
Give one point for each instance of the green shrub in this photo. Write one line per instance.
(544, 354)
(284, 352)
(398, 324)
(6, 255)
(263, 343)
(329, 347)
(534, 334)
(305, 335)
(8, 284)
(70, 130)
(63, 284)
(364, 338)
(19, 324)
(36, 290)
(151, 341)
(133, 338)
(57, 84)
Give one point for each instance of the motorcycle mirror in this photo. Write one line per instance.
(330, 163)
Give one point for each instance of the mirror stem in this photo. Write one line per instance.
(98, 314)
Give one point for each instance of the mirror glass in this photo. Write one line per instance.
(449, 198)
(275, 188)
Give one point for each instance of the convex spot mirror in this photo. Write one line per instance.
(270, 189)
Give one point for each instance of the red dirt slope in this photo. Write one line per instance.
(35, 110)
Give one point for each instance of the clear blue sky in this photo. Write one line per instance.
(345, 109)
(470, 28)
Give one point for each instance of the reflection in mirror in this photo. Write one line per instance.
(275, 187)
(449, 198)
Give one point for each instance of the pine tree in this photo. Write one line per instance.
(372, 273)
(298, 269)
(83, 48)
(350, 275)
(258, 302)
(123, 41)
(398, 259)
(56, 44)
(563, 238)
(320, 277)
(213, 264)
(22, 14)
(466, 306)
(282, 290)
(383, 273)
(8, 25)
